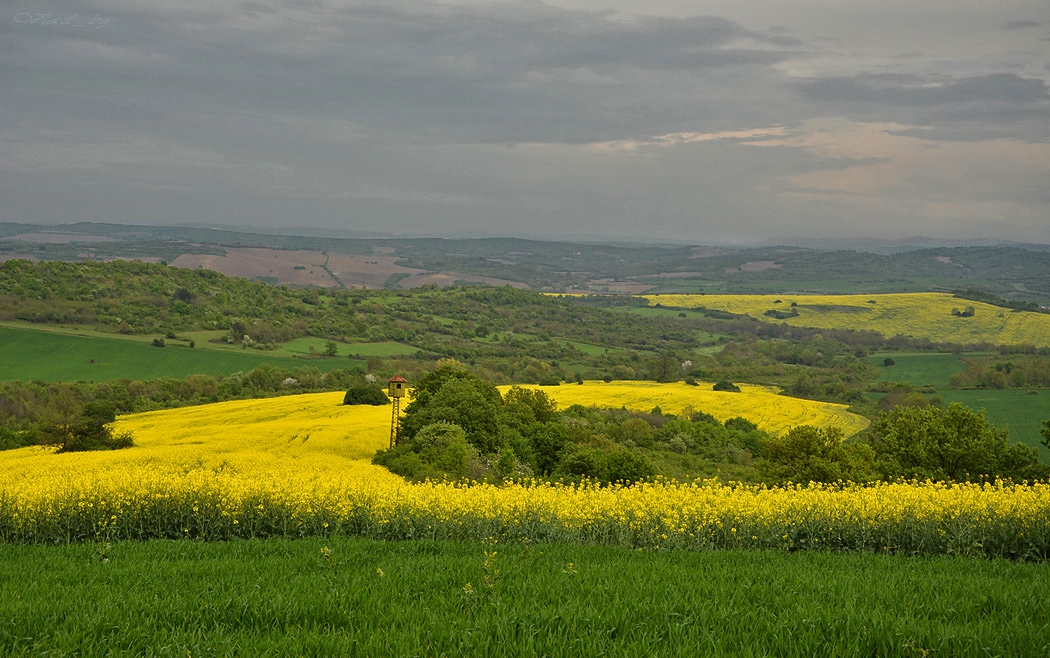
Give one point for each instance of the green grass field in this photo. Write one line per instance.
(1020, 412)
(586, 348)
(384, 349)
(918, 368)
(422, 598)
(28, 354)
(1017, 410)
(649, 311)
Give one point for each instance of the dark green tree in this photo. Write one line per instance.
(813, 454)
(456, 396)
(366, 394)
(956, 443)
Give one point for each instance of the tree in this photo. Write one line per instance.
(331, 348)
(371, 394)
(456, 396)
(665, 368)
(956, 443)
(905, 395)
(530, 403)
(438, 451)
(1045, 431)
(444, 446)
(813, 454)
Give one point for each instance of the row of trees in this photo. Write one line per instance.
(909, 442)
(459, 426)
(1021, 371)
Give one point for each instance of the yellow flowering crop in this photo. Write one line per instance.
(920, 315)
(299, 466)
(760, 404)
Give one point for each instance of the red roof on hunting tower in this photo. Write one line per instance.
(398, 378)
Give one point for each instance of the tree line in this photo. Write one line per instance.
(459, 426)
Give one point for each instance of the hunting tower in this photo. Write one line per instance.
(396, 391)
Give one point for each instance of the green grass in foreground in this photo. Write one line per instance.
(287, 597)
(27, 354)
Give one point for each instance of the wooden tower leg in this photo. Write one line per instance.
(395, 422)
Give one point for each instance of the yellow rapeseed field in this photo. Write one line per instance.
(760, 404)
(920, 315)
(299, 466)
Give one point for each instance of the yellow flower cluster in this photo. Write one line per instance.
(936, 316)
(299, 466)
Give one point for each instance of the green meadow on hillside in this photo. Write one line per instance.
(28, 354)
(918, 368)
(1021, 411)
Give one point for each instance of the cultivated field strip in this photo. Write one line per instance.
(760, 404)
(920, 315)
(298, 466)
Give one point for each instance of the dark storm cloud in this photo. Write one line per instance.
(501, 73)
(504, 116)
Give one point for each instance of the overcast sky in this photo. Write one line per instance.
(708, 121)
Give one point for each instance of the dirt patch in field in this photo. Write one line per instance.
(366, 271)
(7, 257)
(307, 268)
(755, 266)
(610, 285)
(672, 275)
(707, 252)
(447, 279)
(298, 268)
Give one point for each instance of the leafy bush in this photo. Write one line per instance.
(372, 394)
(83, 435)
(725, 385)
(812, 454)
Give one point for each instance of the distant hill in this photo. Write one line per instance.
(1019, 273)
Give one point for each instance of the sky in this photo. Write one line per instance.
(710, 122)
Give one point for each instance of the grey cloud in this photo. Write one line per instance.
(886, 89)
(503, 73)
(966, 108)
(397, 115)
(1020, 25)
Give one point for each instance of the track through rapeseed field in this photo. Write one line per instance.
(299, 466)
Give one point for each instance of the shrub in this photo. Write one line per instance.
(725, 385)
(371, 394)
(83, 435)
